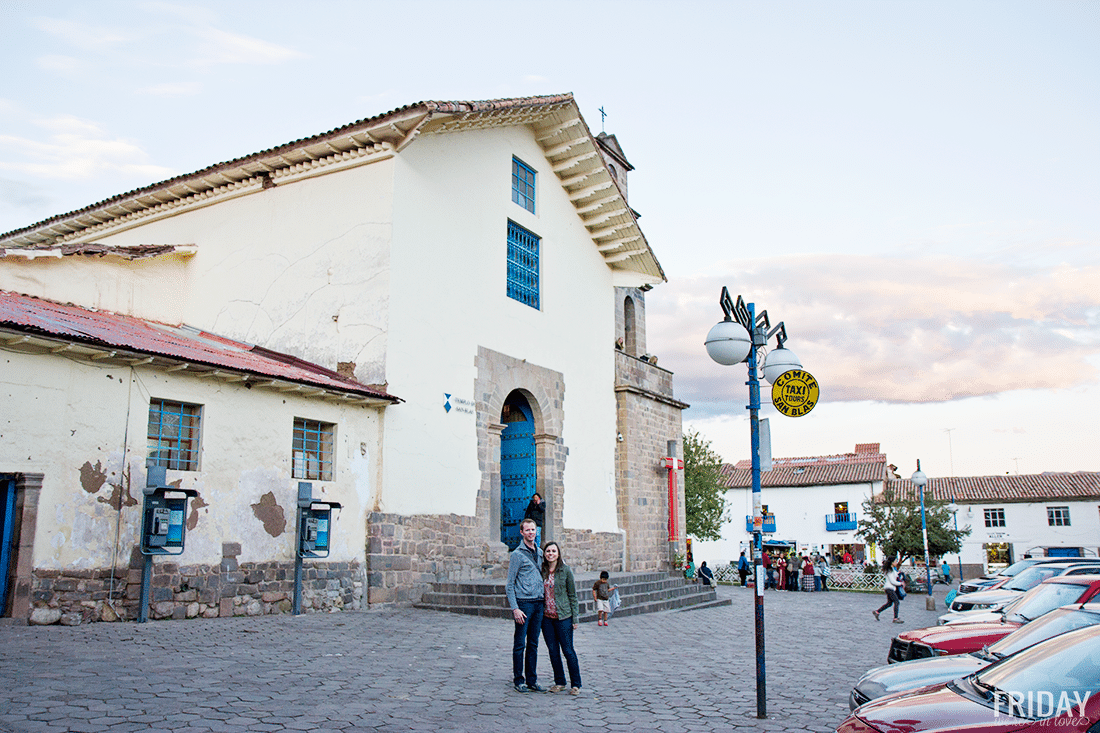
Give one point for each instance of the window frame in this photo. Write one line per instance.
(994, 516)
(524, 184)
(324, 455)
(184, 453)
(524, 263)
(1056, 515)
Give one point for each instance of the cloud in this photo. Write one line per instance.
(223, 47)
(22, 195)
(74, 149)
(58, 63)
(173, 89)
(893, 329)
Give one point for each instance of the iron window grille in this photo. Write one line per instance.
(523, 265)
(994, 517)
(1058, 516)
(173, 436)
(523, 185)
(313, 441)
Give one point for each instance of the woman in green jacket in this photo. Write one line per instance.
(560, 617)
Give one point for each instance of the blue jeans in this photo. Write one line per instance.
(525, 643)
(558, 633)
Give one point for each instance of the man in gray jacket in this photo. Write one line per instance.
(525, 596)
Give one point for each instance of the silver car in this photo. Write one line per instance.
(937, 670)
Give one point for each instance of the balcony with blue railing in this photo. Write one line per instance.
(769, 523)
(838, 522)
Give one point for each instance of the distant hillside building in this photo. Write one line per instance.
(1037, 515)
(814, 504)
(462, 288)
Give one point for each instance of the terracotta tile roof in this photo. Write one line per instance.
(863, 466)
(986, 489)
(179, 344)
(423, 108)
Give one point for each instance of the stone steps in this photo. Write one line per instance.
(639, 592)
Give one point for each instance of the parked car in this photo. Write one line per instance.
(1047, 596)
(989, 580)
(1052, 685)
(915, 673)
(1026, 580)
(987, 628)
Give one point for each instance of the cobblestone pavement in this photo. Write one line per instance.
(418, 670)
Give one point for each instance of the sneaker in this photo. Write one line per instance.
(575, 691)
(898, 621)
(535, 688)
(875, 614)
(521, 688)
(557, 688)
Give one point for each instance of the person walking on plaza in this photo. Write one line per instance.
(890, 585)
(808, 578)
(601, 594)
(743, 569)
(560, 618)
(792, 572)
(945, 571)
(525, 595)
(781, 565)
(823, 572)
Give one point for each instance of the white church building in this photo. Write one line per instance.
(428, 314)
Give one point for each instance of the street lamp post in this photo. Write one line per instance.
(920, 480)
(733, 340)
(954, 509)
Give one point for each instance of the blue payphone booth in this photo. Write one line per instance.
(163, 526)
(314, 529)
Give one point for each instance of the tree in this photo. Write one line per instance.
(894, 525)
(704, 495)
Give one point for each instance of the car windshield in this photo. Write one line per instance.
(1050, 625)
(1047, 677)
(1031, 577)
(1043, 599)
(1015, 568)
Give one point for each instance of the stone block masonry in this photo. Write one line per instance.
(406, 554)
(181, 591)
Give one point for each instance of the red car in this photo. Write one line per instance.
(1052, 686)
(963, 638)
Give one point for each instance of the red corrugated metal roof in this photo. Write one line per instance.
(987, 489)
(179, 343)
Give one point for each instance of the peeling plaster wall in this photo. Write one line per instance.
(449, 297)
(70, 420)
(302, 268)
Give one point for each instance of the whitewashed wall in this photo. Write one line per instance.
(73, 421)
(301, 268)
(449, 296)
(1026, 528)
(800, 517)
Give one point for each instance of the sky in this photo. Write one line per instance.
(912, 188)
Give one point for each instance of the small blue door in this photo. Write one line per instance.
(517, 467)
(7, 522)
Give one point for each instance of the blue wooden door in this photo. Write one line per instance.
(517, 470)
(7, 522)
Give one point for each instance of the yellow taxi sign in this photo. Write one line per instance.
(795, 393)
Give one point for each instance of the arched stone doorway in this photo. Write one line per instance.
(518, 473)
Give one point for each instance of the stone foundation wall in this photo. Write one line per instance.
(405, 555)
(188, 591)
